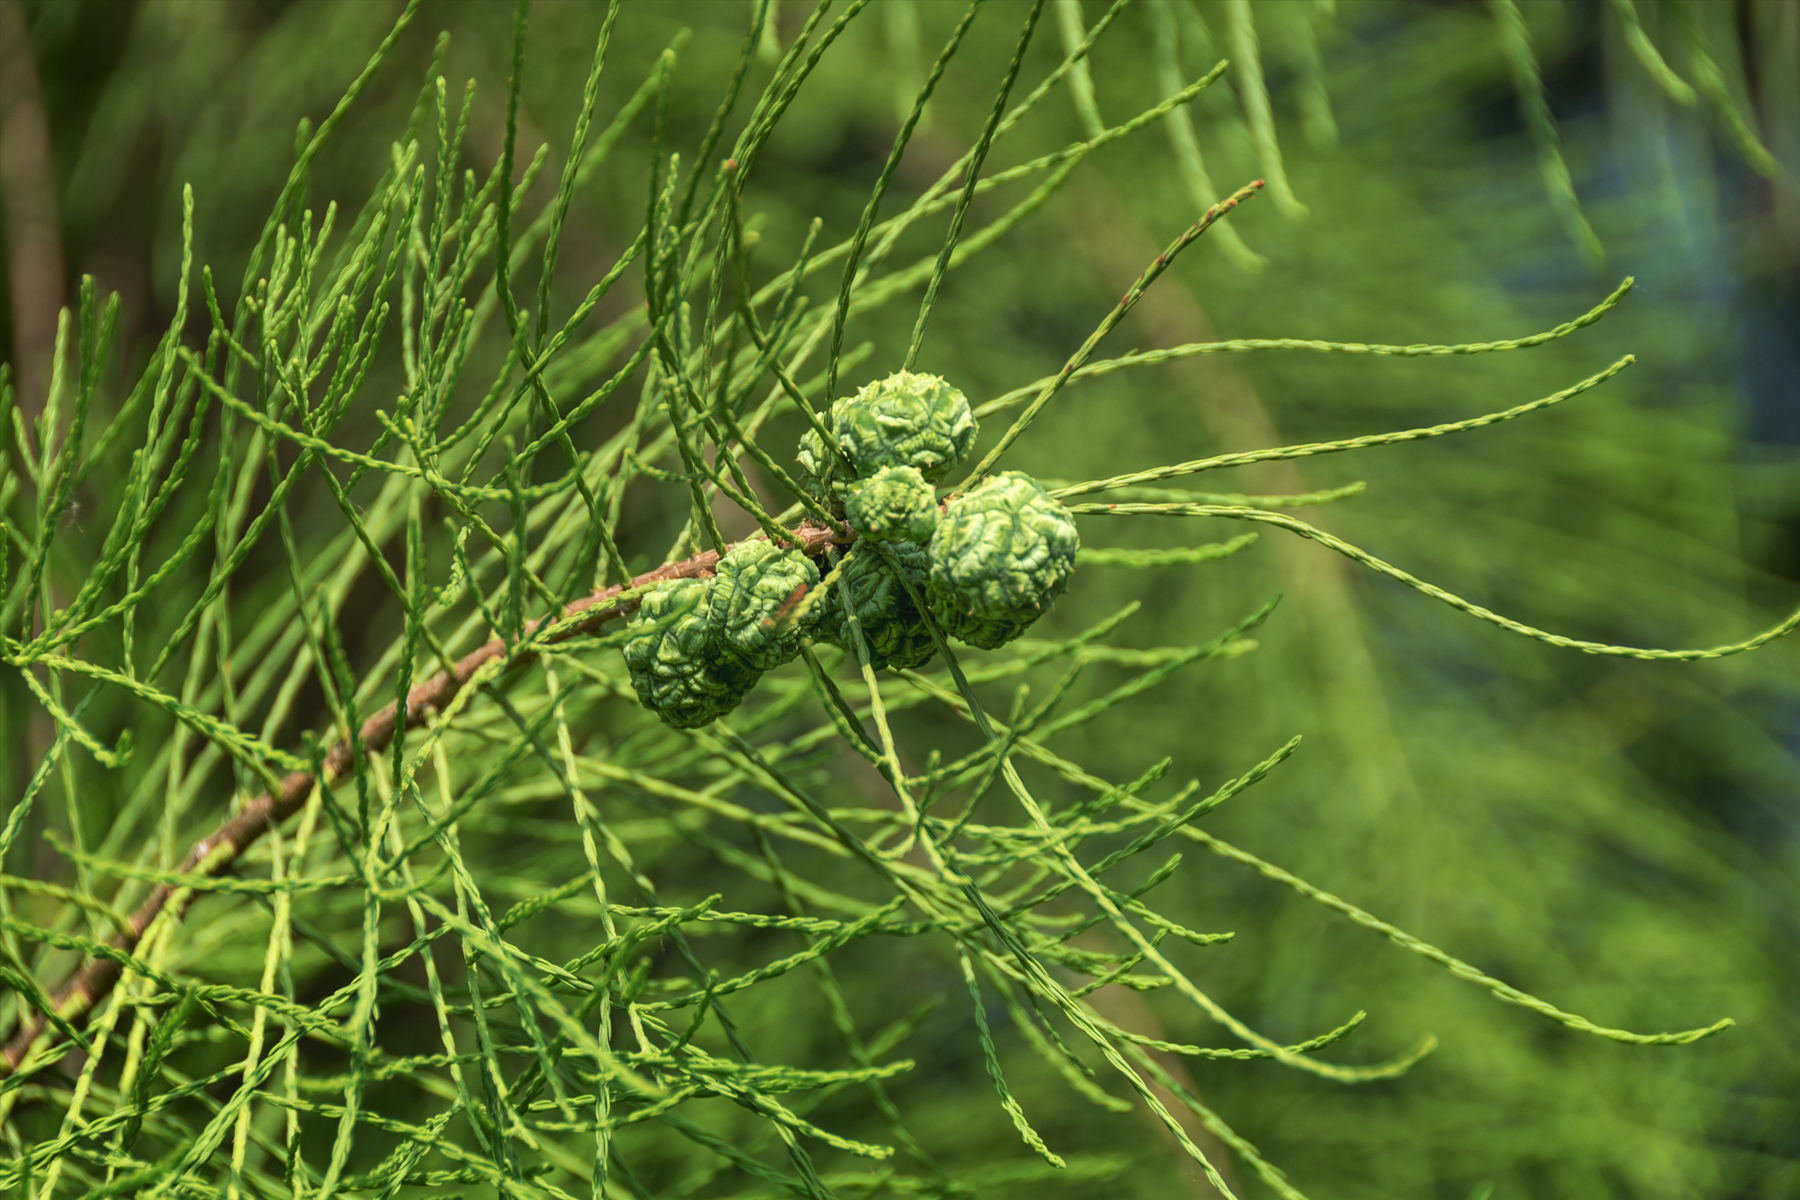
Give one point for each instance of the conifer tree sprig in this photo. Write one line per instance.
(510, 872)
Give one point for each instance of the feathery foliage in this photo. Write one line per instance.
(345, 636)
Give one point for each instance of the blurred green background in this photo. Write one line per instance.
(1617, 837)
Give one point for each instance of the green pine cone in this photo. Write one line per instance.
(674, 669)
(905, 420)
(890, 621)
(758, 584)
(1001, 555)
(893, 505)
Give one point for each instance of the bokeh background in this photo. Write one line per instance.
(1618, 837)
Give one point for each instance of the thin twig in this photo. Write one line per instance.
(1132, 295)
(218, 850)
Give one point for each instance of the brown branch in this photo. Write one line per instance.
(220, 849)
(33, 237)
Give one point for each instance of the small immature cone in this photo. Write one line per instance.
(1002, 554)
